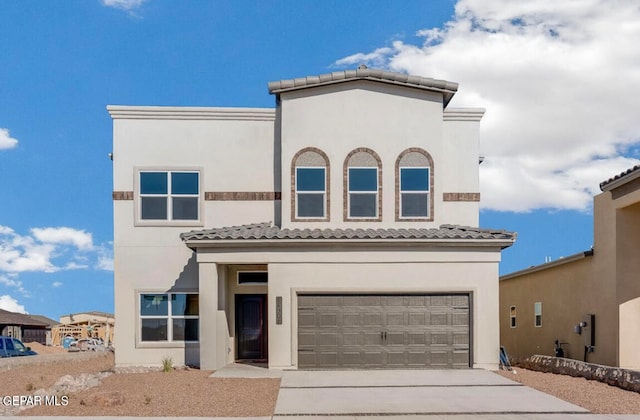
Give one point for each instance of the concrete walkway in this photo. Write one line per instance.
(412, 393)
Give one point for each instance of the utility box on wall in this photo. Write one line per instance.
(588, 325)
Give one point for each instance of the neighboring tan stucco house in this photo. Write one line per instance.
(325, 233)
(591, 300)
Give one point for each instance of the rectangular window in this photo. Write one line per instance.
(537, 310)
(169, 317)
(310, 192)
(414, 193)
(512, 315)
(253, 277)
(169, 195)
(363, 192)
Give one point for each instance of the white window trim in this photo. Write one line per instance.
(537, 313)
(250, 283)
(513, 322)
(375, 193)
(323, 192)
(138, 221)
(169, 342)
(428, 192)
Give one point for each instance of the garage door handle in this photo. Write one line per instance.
(383, 335)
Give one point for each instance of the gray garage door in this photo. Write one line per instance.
(383, 331)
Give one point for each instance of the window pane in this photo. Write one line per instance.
(363, 179)
(362, 205)
(154, 208)
(414, 179)
(310, 179)
(252, 277)
(185, 330)
(184, 183)
(185, 208)
(154, 305)
(310, 205)
(19, 346)
(184, 304)
(153, 182)
(154, 330)
(415, 205)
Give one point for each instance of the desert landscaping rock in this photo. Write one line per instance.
(106, 399)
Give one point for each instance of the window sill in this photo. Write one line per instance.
(165, 344)
(168, 223)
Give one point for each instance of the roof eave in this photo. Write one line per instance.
(561, 261)
(194, 244)
(449, 89)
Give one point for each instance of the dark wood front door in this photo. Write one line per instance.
(251, 327)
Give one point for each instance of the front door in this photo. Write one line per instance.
(251, 327)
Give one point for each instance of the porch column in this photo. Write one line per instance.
(208, 296)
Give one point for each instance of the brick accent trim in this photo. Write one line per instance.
(328, 185)
(461, 196)
(345, 188)
(241, 196)
(432, 189)
(122, 195)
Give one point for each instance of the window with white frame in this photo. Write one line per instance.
(512, 316)
(311, 190)
(363, 192)
(169, 195)
(414, 192)
(537, 310)
(169, 317)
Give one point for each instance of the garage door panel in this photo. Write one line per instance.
(383, 331)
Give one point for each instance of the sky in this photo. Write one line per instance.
(560, 82)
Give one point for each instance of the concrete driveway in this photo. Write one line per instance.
(415, 393)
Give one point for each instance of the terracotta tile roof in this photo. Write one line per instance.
(14, 318)
(267, 231)
(604, 184)
(448, 89)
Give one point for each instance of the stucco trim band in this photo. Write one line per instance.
(461, 196)
(242, 196)
(122, 195)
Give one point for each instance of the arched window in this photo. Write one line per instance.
(310, 185)
(414, 185)
(362, 186)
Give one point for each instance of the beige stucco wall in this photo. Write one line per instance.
(381, 271)
(249, 150)
(388, 120)
(568, 292)
(605, 284)
(229, 147)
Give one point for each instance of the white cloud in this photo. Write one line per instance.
(10, 304)
(56, 284)
(127, 5)
(48, 250)
(6, 141)
(10, 280)
(64, 235)
(561, 85)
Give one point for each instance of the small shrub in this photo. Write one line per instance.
(167, 364)
(147, 399)
(30, 387)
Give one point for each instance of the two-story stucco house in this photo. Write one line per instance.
(325, 233)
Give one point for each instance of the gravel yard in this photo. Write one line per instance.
(595, 396)
(190, 392)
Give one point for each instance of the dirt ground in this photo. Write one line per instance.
(190, 392)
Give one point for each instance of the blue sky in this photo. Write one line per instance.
(560, 83)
